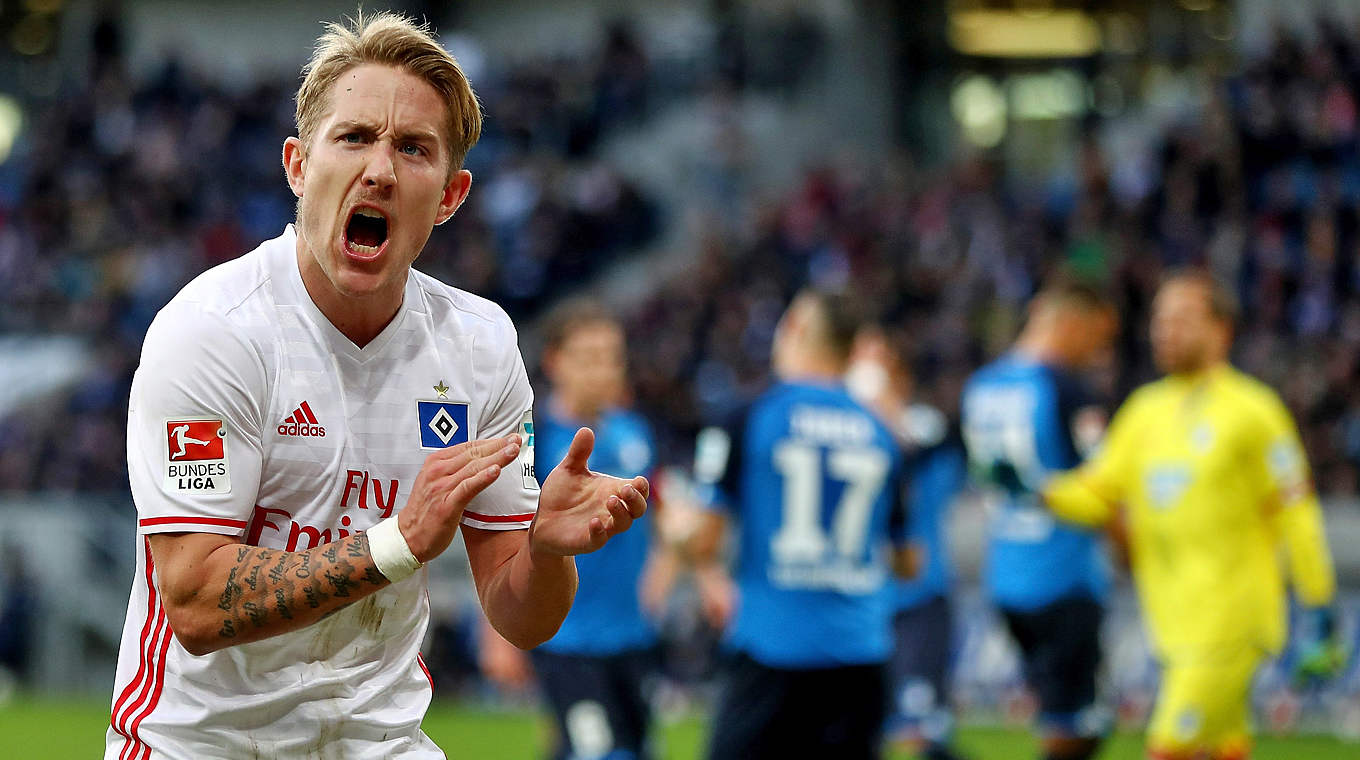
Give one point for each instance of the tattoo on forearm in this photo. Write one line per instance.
(266, 581)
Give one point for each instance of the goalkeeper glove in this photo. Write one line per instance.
(1321, 655)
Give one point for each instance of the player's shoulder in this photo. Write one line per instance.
(226, 287)
(1011, 369)
(821, 407)
(628, 421)
(457, 309)
(219, 307)
(1253, 395)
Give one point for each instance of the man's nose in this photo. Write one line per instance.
(380, 171)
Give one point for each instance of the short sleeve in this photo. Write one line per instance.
(717, 463)
(1292, 505)
(194, 432)
(1111, 464)
(1083, 415)
(1286, 466)
(510, 502)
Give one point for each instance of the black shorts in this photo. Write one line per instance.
(599, 703)
(766, 712)
(923, 639)
(1060, 651)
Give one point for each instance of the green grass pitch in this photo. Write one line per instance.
(58, 730)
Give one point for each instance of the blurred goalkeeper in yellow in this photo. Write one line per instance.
(1205, 470)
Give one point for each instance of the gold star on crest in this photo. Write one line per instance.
(441, 389)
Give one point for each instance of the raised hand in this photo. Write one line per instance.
(579, 510)
(449, 479)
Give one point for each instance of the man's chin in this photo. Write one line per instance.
(361, 285)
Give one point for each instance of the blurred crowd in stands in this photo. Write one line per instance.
(130, 189)
(1261, 182)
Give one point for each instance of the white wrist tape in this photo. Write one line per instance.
(391, 554)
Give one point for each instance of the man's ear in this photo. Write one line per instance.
(294, 164)
(455, 192)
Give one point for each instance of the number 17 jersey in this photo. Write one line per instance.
(814, 481)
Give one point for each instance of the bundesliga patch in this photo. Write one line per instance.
(442, 423)
(196, 457)
(526, 451)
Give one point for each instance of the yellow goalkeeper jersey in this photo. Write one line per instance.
(1218, 500)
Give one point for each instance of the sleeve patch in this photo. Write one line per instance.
(712, 449)
(196, 457)
(526, 451)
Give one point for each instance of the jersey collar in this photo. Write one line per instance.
(291, 292)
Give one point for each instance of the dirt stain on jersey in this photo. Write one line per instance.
(371, 615)
(324, 644)
(325, 747)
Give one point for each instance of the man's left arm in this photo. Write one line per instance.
(526, 579)
(1294, 507)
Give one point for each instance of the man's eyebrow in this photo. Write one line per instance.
(417, 134)
(354, 125)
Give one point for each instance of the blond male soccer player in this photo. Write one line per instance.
(346, 416)
(1207, 469)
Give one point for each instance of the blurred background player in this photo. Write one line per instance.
(1211, 477)
(812, 478)
(593, 671)
(1025, 416)
(920, 715)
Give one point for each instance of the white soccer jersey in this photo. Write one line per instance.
(251, 415)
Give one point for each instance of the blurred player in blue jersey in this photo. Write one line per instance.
(592, 672)
(811, 478)
(1026, 416)
(920, 718)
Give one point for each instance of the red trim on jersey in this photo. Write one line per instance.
(497, 518)
(143, 683)
(223, 521)
(1172, 754)
(421, 661)
(307, 410)
(142, 664)
(155, 692)
(133, 745)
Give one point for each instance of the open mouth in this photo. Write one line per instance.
(366, 232)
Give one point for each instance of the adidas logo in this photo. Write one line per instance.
(302, 424)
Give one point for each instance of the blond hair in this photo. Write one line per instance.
(393, 40)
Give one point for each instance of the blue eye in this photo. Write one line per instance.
(353, 138)
(411, 149)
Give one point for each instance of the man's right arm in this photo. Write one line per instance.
(218, 592)
(1090, 494)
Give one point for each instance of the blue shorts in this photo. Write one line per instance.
(769, 713)
(919, 673)
(599, 703)
(1060, 651)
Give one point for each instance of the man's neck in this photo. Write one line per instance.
(361, 319)
(1200, 372)
(1039, 348)
(815, 371)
